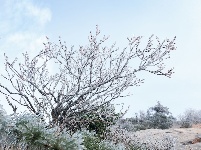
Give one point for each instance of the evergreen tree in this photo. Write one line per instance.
(159, 117)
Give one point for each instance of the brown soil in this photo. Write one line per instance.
(196, 126)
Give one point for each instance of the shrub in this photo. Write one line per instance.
(157, 117)
(101, 119)
(28, 131)
(132, 124)
(92, 142)
(185, 124)
(189, 118)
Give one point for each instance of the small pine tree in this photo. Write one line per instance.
(159, 117)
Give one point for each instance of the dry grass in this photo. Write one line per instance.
(196, 126)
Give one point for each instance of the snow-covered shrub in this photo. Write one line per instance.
(28, 131)
(157, 117)
(3, 123)
(99, 120)
(132, 124)
(129, 139)
(92, 142)
(189, 118)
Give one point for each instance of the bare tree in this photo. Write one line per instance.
(87, 78)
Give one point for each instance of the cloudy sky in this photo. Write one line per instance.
(24, 24)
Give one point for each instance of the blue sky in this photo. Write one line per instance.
(24, 25)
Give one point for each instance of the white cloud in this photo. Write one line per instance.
(26, 40)
(42, 15)
(22, 25)
(17, 13)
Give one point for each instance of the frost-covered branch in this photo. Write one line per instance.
(85, 79)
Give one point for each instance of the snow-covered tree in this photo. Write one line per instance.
(86, 79)
(159, 117)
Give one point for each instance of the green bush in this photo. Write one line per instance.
(27, 131)
(92, 142)
(157, 117)
(186, 124)
(99, 122)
